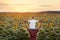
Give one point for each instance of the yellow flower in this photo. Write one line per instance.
(24, 28)
(15, 26)
(1, 22)
(47, 25)
(45, 19)
(51, 24)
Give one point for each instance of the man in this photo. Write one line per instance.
(32, 28)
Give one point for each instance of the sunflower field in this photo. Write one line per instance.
(13, 28)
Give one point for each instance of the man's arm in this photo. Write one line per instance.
(39, 24)
(26, 23)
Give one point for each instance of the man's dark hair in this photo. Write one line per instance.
(33, 17)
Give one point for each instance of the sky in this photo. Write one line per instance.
(29, 5)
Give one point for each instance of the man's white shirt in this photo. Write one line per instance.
(32, 24)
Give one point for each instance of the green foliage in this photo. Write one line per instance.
(7, 32)
(12, 28)
(51, 33)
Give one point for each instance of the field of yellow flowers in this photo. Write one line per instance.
(14, 28)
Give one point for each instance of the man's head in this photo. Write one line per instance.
(33, 17)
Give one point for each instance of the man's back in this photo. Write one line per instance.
(32, 24)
